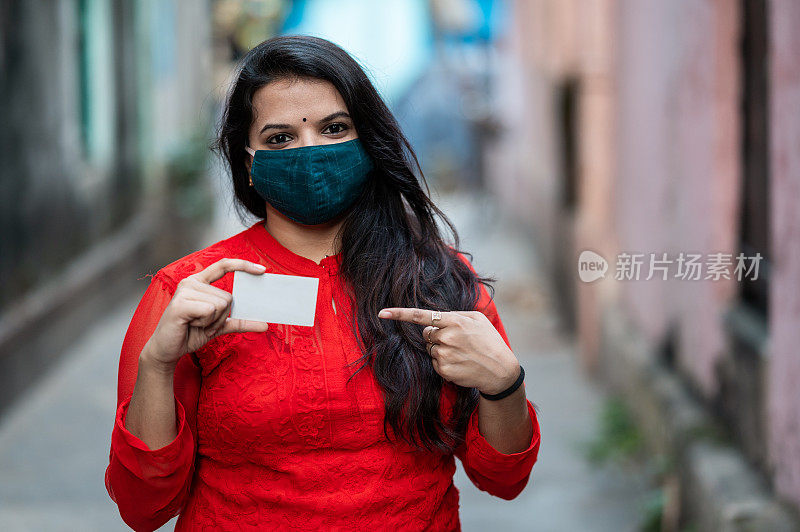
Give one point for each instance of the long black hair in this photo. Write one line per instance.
(393, 254)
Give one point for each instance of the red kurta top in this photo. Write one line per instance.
(270, 437)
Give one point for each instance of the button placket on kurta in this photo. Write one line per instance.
(360, 393)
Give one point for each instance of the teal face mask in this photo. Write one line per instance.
(311, 184)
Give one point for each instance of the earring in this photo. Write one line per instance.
(251, 181)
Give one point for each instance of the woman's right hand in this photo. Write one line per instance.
(197, 313)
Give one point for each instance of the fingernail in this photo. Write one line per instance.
(385, 314)
(260, 266)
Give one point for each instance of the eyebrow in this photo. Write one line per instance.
(331, 116)
(274, 126)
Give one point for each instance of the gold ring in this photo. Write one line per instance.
(430, 331)
(435, 315)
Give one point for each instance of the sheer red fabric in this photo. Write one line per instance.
(270, 434)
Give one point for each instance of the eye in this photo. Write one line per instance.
(280, 138)
(338, 127)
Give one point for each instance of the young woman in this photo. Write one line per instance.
(351, 424)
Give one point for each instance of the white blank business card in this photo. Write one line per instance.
(274, 298)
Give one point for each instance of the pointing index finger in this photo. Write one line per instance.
(416, 315)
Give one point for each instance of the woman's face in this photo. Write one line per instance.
(290, 113)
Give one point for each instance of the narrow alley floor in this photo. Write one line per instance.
(564, 492)
(54, 442)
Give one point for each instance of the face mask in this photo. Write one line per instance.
(311, 184)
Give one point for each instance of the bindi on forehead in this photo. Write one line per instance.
(304, 119)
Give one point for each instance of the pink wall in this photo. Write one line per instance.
(784, 369)
(659, 153)
(594, 226)
(522, 166)
(657, 150)
(678, 164)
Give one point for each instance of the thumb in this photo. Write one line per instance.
(238, 325)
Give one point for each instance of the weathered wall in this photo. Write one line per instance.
(678, 159)
(659, 157)
(43, 197)
(784, 369)
(101, 102)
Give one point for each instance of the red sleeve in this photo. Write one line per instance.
(151, 485)
(501, 475)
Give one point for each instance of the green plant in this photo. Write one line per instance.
(619, 437)
(187, 182)
(653, 511)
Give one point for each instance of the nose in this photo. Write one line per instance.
(308, 137)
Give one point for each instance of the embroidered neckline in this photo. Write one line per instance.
(270, 246)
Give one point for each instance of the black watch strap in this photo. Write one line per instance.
(511, 389)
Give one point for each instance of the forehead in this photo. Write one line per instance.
(285, 100)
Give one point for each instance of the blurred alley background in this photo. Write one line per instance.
(545, 128)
